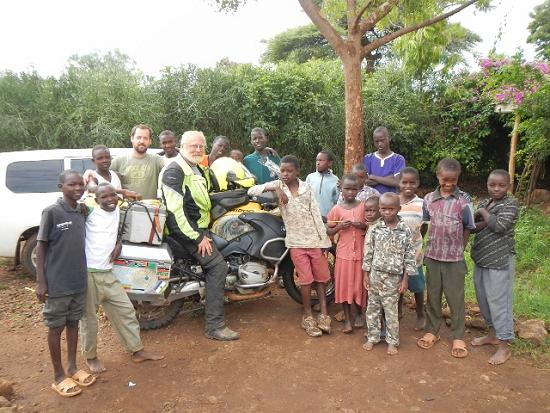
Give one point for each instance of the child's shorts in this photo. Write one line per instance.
(58, 310)
(417, 283)
(310, 264)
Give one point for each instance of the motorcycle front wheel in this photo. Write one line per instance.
(292, 284)
(151, 317)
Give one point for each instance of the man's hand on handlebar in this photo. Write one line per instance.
(205, 246)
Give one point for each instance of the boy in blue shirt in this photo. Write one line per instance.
(324, 182)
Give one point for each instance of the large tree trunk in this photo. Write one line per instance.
(355, 142)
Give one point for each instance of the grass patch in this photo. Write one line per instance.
(532, 282)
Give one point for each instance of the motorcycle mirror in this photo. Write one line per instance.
(231, 176)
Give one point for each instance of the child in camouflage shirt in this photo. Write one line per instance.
(389, 258)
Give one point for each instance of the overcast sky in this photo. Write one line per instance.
(44, 34)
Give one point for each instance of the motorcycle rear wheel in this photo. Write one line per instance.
(292, 285)
(151, 317)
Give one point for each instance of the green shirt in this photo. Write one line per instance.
(261, 172)
(139, 175)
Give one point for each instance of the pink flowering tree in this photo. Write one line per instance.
(509, 82)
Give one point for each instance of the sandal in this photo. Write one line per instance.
(83, 379)
(459, 349)
(67, 388)
(323, 322)
(427, 341)
(310, 325)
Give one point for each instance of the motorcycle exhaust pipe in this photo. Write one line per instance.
(231, 296)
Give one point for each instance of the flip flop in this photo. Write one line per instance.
(427, 341)
(83, 379)
(63, 388)
(459, 349)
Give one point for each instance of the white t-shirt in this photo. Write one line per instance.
(115, 180)
(101, 236)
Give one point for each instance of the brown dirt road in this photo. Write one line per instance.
(274, 367)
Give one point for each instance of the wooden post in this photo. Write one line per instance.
(513, 147)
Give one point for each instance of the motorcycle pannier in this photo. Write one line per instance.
(143, 222)
(143, 269)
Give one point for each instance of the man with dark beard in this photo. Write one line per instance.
(139, 170)
(184, 185)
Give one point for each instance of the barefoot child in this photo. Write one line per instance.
(306, 236)
(102, 248)
(324, 183)
(348, 221)
(61, 280)
(389, 258)
(411, 213)
(451, 219)
(493, 255)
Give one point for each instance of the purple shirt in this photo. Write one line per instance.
(391, 165)
(448, 218)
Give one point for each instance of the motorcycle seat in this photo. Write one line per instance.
(266, 198)
(227, 200)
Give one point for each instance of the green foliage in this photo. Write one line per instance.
(99, 98)
(440, 46)
(535, 124)
(298, 45)
(540, 30)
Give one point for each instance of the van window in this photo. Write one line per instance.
(82, 164)
(33, 176)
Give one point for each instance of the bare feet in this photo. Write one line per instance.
(392, 350)
(420, 323)
(488, 339)
(501, 355)
(142, 355)
(369, 345)
(359, 322)
(95, 366)
(348, 329)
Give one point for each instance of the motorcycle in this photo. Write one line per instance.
(250, 235)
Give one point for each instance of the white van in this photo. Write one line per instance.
(28, 184)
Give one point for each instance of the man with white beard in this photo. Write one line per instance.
(184, 186)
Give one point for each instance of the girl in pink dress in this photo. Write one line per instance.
(348, 221)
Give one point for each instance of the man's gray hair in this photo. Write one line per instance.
(190, 134)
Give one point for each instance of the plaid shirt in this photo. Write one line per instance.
(448, 218)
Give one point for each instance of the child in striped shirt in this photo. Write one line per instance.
(411, 213)
(494, 257)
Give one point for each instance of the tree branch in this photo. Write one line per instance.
(388, 38)
(326, 29)
(350, 14)
(360, 14)
(381, 12)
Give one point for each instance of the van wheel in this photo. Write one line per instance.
(28, 256)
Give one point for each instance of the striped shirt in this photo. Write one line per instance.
(494, 244)
(411, 213)
(448, 218)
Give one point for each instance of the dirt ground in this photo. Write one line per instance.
(274, 367)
